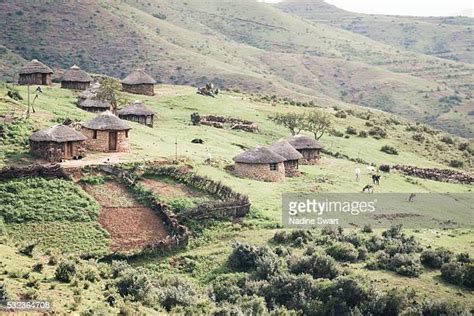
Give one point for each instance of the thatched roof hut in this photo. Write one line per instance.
(57, 143)
(261, 164)
(137, 112)
(94, 105)
(139, 82)
(107, 121)
(35, 73)
(75, 78)
(308, 147)
(291, 155)
(107, 132)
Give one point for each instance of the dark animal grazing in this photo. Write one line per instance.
(197, 141)
(411, 198)
(368, 189)
(376, 179)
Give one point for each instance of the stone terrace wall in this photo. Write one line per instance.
(144, 89)
(260, 172)
(436, 174)
(49, 171)
(101, 143)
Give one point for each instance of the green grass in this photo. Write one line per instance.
(62, 236)
(41, 200)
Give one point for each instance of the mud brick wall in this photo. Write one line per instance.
(260, 172)
(144, 89)
(101, 143)
(291, 168)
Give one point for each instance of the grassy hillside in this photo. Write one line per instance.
(444, 37)
(243, 44)
(199, 267)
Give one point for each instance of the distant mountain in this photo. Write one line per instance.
(248, 45)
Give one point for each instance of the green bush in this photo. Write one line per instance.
(244, 256)
(343, 252)
(341, 114)
(351, 130)
(65, 271)
(317, 265)
(419, 137)
(435, 258)
(389, 150)
(227, 287)
(195, 118)
(447, 140)
(363, 134)
(377, 132)
(456, 163)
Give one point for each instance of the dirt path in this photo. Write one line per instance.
(96, 159)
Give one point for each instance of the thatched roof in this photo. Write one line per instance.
(76, 74)
(138, 76)
(107, 121)
(34, 67)
(57, 133)
(136, 108)
(284, 149)
(258, 155)
(94, 103)
(91, 92)
(305, 142)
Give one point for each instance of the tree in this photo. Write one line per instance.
(317, 122)
(293, 121)
(109, 92)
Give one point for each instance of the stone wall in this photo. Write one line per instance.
(74, 85)
(144, 89)
(101, 143)
(260, 172)
(56, 152)
(35, 79)
(291, 168)
(310, 156)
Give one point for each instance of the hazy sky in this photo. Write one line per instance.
(403, 7)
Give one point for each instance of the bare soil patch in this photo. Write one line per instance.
(170, 190)
(132, 227)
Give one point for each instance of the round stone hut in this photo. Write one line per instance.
(58, 143)
(308, 147)
(35, 73)
(260, 164)
(94, 105)
(76, 79)
(291, 155)
(107, 133)
(139, 82)
(137, 112)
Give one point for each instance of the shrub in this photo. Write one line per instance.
(244, 256)
(227, 287)
(452, 272)
(447, 140)
(367, 228)
(341, 114)
(468, 277)
(14, 93)
(65, 271)
(363, 134)
(404, 264)
(181, 205)
(38, 267)
(463, 146)
(463, 257)
(456, 163)
(435, 258)
(377, 132)
(389, 150)
(28, 249)
(384, 168)
(317, 265)
(93, 180)
(177, 292)
(135, 283)
(4, 296)
(351, 130)
(434, 308)
(343, 252)
(419, 137)
(252, 305)
(195, 118)
(268, 263)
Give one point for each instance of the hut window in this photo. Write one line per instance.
(126, 134)
(273, 166)
(94, 135)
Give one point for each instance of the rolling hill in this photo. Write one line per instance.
(242, 44)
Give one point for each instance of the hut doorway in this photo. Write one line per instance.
(69, 150)
(112, 140)
(44, 79)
